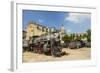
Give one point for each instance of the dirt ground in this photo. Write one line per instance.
(72, 54)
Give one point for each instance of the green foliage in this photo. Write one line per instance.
(88, 35)
(71, 37)
(66, 38)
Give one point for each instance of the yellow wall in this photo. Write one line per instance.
(32, 30)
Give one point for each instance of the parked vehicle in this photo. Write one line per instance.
(75, 44)
(83, 43)
(66, 44)
(88, 44)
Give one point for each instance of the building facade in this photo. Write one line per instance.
(35, 30)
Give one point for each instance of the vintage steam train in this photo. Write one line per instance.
(48, 45)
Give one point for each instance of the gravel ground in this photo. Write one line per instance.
(72, 54)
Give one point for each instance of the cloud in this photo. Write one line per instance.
(40, 20)
(78, 17)
(68, 30)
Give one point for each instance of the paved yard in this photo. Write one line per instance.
(73, 54)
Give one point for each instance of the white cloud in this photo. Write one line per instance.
(68, 30)
(40, 20)
(78, 17)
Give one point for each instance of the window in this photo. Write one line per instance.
(31, 30)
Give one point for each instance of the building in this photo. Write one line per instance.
(35, 30)
(24, 34)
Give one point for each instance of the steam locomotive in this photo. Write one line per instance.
(48, 45)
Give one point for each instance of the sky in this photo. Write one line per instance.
(73, 22)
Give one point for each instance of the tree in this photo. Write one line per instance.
(73, 36)
(88, 35)
(66, 38)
